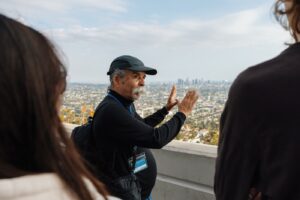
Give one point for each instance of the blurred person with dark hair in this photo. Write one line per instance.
(259, 133)
(37, 159)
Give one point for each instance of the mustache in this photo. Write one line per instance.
(139, 90)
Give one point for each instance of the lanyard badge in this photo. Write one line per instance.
(140, 163)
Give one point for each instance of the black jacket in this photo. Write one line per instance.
(259, 143)
(117, 130)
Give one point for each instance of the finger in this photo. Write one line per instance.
(193, 94)
(189, 95)
(173, 91)
(195, 100)
(194, 97)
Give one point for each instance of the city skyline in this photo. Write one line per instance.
(182, 39)
(80, 101)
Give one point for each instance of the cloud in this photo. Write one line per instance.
(34, 7)
(215, 49)
(111, 5)
(237, 29)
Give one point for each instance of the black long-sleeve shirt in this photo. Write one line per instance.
(259, 143)
(117, 130)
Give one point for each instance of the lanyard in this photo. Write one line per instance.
(117, 100)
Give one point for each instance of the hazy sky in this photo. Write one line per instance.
(212, 40)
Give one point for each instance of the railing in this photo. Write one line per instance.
(185, 171)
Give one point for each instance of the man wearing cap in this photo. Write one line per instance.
(122, 137)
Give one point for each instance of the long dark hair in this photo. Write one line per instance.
(32, 137)
(280, 12)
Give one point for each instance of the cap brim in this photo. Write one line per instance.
(147, 70)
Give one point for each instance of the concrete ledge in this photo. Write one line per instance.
(185, 170)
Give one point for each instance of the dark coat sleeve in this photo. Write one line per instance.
(116, 123)
(154, 119)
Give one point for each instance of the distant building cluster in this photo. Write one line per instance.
(181, 82)
(201, 126)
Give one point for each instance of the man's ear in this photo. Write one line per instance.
(117, 81)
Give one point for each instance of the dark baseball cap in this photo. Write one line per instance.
(130, 63)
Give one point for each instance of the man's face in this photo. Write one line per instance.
(132, 84)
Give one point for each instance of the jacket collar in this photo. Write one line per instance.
(292, 48)
(123, 100)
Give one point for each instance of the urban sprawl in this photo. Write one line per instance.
(80, 101)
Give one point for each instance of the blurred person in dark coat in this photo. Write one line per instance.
(259, 144)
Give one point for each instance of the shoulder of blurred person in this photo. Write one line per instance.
(276, 80)
(41, 186)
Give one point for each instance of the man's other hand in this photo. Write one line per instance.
(188, 102)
